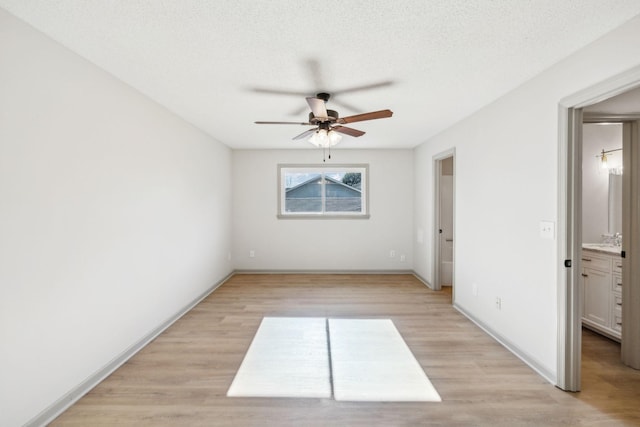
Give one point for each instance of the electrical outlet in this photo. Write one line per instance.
(499, 303)
(252, 253)
(403, 258)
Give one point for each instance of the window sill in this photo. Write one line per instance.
(322, 216)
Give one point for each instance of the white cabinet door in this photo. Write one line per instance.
(597, 292)
(616, 312)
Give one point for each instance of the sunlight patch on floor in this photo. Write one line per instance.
(349, 359)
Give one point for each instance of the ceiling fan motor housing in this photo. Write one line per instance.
(324, 96)
(332, 116)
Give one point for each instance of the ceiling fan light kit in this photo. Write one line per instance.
(328, 124)
(324, 139)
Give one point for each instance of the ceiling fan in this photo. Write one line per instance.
(314, 71)
(327, 124)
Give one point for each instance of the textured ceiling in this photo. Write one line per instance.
(204, 59)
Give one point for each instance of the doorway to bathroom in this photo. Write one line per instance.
(623, 90)
(601, 273)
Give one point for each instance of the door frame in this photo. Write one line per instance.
(437, 171)
(631, 226)
(570, 224)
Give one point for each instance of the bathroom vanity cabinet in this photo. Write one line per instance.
(602, 291)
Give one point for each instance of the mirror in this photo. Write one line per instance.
(615, 203)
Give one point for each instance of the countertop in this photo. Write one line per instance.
(602, 247)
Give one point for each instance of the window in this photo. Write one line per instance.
(323, 191)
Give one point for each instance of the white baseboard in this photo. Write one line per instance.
(519, 353)
(522, 355)
(422, 279)
(64, 402)
(324, 272)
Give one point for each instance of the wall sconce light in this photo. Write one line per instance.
(604, 164)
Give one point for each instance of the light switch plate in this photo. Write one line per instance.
(547, 230)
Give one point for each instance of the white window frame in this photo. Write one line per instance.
(363, 169)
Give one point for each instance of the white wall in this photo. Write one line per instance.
(595, 179)
(506, 183)
(114, 215)
(316, 244)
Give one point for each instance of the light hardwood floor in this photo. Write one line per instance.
(182, 377)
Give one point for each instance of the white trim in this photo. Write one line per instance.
(609, 118)
(606, 89)
(68, 399)
(423, 280)
(561, 291)
(322, 216)
(398, 272)
(410, 272)
(569, 339)
(519, 353)
(631, 245)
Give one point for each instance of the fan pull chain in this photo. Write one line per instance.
(324, 153)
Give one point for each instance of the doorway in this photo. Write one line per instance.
(601, 243)
(600, 293)
(444, 216)
(572, 113)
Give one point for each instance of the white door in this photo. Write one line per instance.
(597, 291)
(446, 225)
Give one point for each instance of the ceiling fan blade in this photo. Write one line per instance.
(305, 134)
(318, 108)
(284, 123)
(314, 70)
(298, 111)
(348, 131)
(343, 104)
(278, 91)
(364, 87)
(366, 116)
